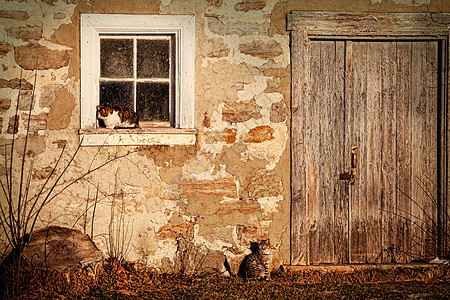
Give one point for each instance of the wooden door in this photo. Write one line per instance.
(380, 97)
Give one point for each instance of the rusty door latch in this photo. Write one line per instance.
(350, 176)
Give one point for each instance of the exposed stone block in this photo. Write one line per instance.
(278, 112)
(13, 125)
(49, 92)
(36, 144)
(259, 48)
(239, 28)
(225, 187)
(25, 32)
(37, 123)
(43, 173)
(238, 206)
(214, 48)
(5, 48)
(47, 59)
(259, 134)
(59, 15)
(61, 111)
(192, 258)
(15, 84)
(183, 230)
(240, 111)
(5, 104)
(14, 14)
(247, 5)
(25, 100)
(229, 135)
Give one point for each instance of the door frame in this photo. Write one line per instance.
(307, 25)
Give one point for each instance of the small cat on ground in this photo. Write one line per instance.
(118, 116)
(255, 266)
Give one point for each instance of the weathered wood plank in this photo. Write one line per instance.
(403, 149)
(431, 136)
(327, 161)
(341, 217)
(369, 24)
(418, 146)
(357, 123)
(313, 174)
(374, 148)
(300, 94)
(388, 179)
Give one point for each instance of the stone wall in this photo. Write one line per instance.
(231, 188)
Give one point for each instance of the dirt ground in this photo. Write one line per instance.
(126, 281)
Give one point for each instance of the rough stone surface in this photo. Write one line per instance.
(15, 83)
(214, 48)
(5, 48)
(240, 111)
(13, 125)
(247, 5)
(35, 145)
(62, 249)
(5, 104)
(262, 49)
(25, 32)
(183, 230)
(43, 173)
(26, 99)
(61, 111)
(240, 28)
(14, 14)
(48, 94)
(47, 59)
(192, 258)
(37, 122)
(278, 112)
(221, 187)
(259, 134)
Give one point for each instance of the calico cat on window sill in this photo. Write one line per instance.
(118, 116)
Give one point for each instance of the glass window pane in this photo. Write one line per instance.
(115, 93)
(116, 58)
(152, 103)
(153, 58)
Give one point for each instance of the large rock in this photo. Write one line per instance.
(47, 59)
(62, 249)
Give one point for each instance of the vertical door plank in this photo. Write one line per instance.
(430, 140)
(313, 152)
(331, 122)
(357, 124)
(300, 94)
(419, 147)
(341, 217)
(374, 147)
(403, 149)
(388, 169)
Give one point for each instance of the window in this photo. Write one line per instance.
(146, 62)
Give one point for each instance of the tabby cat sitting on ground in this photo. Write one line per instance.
(255, 266)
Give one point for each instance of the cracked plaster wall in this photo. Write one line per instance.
(231, 188)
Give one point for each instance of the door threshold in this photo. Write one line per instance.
(351, 268)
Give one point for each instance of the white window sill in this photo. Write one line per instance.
(137, 137)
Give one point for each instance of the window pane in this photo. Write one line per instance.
(115, 93)
(153, 58)
(152, 103)
(116, 58)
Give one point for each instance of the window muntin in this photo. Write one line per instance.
(139, 71)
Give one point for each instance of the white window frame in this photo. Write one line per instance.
(183, 27)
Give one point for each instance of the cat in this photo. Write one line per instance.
(255, 266)
(118, 116)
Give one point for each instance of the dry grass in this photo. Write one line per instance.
(124, 281)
